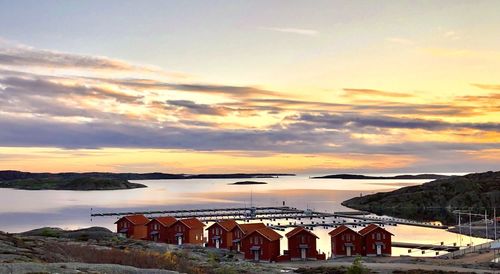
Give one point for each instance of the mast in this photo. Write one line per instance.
(486, 223)
(470, 227)
(495, 221)
(459, 229)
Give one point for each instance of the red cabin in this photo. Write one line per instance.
(261, 245)
(132, 226)
(376, 241)
(345, 242)
(219, 234)
(240, 230)
(160, 229)
(302, 244)
(188, 231)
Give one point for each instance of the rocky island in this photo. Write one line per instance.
(14, 174)
(249, 183)
(365, 177)
(436, 200)
(104, 180)
(60, 183)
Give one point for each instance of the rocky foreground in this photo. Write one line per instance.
(98, 250)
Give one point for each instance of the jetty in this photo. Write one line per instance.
(440, 247)
(282, 216)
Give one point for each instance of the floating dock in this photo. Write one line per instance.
(283, 217)
(442, 247)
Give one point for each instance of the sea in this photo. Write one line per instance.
(22, 210)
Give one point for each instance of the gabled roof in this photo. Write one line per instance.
(135, 219)
(249, 228)
(166, 221)
(267, 232)
(370, 228)
(192, 223)
(297, 230)
(339, 230)
(227, 225)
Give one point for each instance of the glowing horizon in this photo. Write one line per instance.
(250, 87)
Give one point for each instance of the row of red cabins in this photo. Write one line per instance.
(257, 241)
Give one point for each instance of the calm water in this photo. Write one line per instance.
(21, 210)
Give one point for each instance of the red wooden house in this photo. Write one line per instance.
(240, 230)
(188, 231)
(302, 244)
(376, 241)
(132, 226)
(345, 242)
(262, 244)
(159, 229)
(219, 234)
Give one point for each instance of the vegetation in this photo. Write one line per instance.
(435, 201)
(357, 267)
(135, 258)
(322, 270)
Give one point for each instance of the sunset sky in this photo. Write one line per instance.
(250, 86)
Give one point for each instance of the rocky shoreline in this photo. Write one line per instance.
(436, 200)
(98, 250)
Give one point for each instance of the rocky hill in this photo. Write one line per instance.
(435, 201)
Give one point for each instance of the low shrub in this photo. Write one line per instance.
(135, 258)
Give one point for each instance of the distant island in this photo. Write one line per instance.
(249, 183)
(436, 200)
(364, 177)
(104, 180)
(6, 175)
(59, 183)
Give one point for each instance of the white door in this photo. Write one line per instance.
(348, 251)
(303, 253)
(179, 240)
(217, 243)
(238, 247)
(379, 250)
(256, 254)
